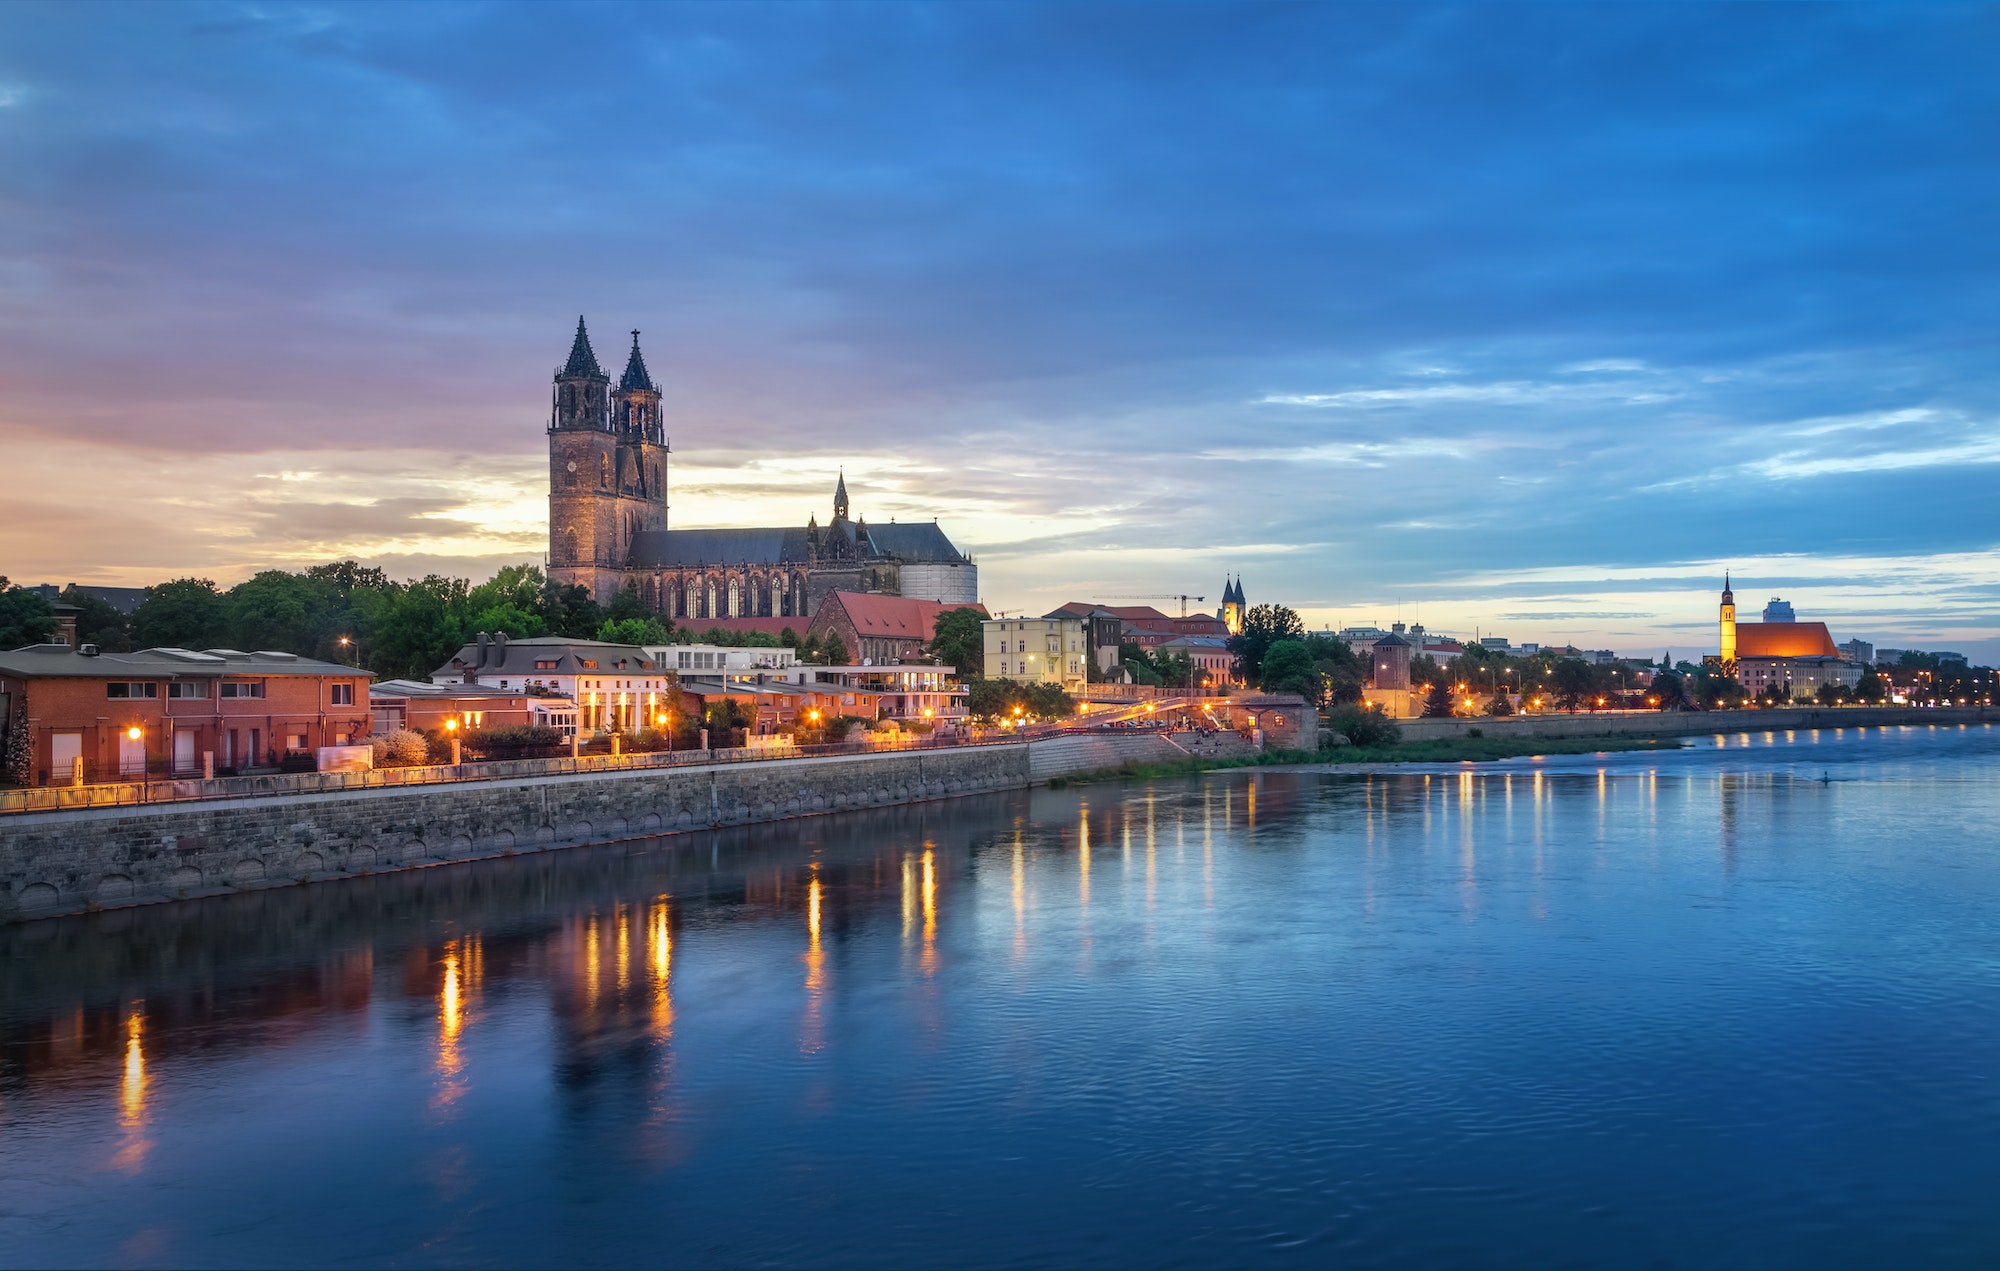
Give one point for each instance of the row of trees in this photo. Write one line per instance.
(347, 613)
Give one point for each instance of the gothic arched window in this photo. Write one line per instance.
(603, 471)
(709, 612)
(687, 610)
(734, 600)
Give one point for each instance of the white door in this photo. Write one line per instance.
(131, 756)
(65, 750)
(184, 751)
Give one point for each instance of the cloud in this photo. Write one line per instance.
(1372, 304)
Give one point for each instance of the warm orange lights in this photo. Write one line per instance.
(135, 732)
(451, 725)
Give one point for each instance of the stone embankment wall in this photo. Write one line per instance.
(1075, 753)
(1689, 723)
(69, 862)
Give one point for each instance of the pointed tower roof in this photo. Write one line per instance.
(1728, 596)
(635, 369)
(582, 362)
(840, 494)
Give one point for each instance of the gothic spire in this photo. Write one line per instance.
(582, 362)
(840, 496)
(635, 369)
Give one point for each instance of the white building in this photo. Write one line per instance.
(612, 686)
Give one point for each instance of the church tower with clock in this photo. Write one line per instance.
(607, 468)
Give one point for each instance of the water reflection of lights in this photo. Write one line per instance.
(132, 1088)
(132, 1096)
(1020, 899)
(930, 911)
(813, 1037)
(462, 967)
(660, 953)
(1083, 858)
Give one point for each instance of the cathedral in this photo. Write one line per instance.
(608, 466)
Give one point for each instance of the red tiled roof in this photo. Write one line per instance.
(893, 617)
(1784, 640)
(769, 626)
(1130, 613)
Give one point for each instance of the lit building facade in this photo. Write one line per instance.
(1037, 651)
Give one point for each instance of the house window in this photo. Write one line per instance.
(295, 741)
(236, 689)
(188, 688)
(589, 664)
(545, 664)
(124, 689)
(343, 695)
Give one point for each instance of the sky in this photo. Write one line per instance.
(1511, 319)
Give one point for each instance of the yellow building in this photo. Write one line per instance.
(1037, 651)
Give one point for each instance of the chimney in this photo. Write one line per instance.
(66, 624)
(480, 661)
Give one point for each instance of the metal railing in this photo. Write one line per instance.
(181, 790)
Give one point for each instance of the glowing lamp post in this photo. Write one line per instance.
(138, 734)
(451, 729)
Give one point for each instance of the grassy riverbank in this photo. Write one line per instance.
(1444, 750)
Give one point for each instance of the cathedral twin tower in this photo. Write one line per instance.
(607, 465)
(608, 521)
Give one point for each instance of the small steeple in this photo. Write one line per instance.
(582, 362)
(635, 366)
(1728, 596)
(840, 497)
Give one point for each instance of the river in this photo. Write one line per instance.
(1736, 1005)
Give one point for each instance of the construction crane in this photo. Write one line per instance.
(1183, 597)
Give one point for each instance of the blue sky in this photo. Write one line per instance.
(1519, 317)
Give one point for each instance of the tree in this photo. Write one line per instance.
(25, 618)
(1721, 692)
(1669, 691)
(1828, 695)
(97, 621)
(569, 610)
(1574, 683)
(1437, 702)
(832, 649)
(1263, 627)
(626, 604)
(185, 613)
(20, 756)
(1870, 688)
(1364, 725)
(424, 623)
(1501, 704)
(1289, 668)
(958, 639)
(639, 631)
(277, 610)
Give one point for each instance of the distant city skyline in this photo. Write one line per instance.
(1529, 319)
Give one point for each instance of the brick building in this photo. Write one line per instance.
(608, 475)
(880, 630)
(173, 711)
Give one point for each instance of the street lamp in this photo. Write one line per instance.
(451, 727)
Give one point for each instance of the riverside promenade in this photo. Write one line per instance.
(79, 859)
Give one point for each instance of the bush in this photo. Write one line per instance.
(403, 748)
(298, 761)
(1364, 726)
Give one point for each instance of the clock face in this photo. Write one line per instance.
(572, 465)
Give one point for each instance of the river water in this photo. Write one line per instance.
(1736, 1005)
